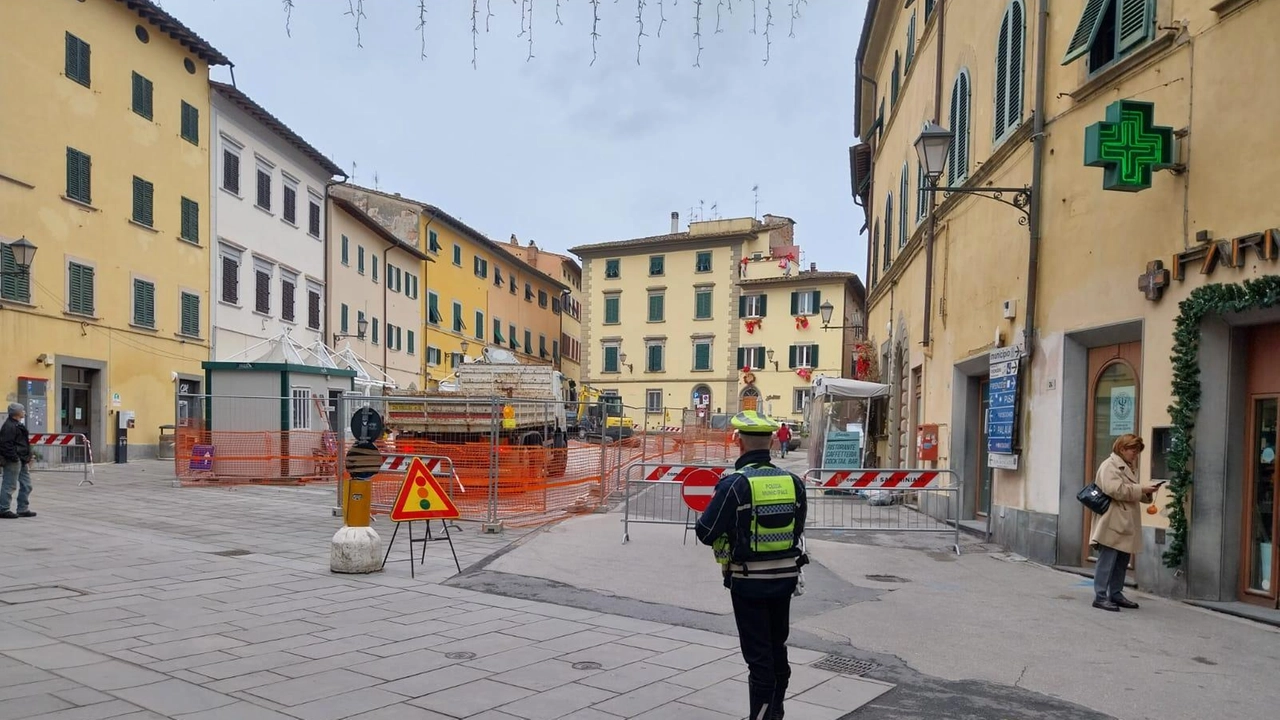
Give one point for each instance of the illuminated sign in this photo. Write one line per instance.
(1128, 146)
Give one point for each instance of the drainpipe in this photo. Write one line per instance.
(386, 275)
(1037, 176)
(425, 308)
(933, 196)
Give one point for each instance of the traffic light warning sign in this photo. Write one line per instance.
(421, 497)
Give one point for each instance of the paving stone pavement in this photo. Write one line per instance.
(115, 604)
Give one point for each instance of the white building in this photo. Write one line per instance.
(268, 199)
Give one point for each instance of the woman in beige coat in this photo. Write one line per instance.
(1117, 534)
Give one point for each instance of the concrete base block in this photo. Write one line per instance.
(355, 550)
(492, 528)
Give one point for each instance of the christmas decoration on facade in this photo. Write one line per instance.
(752, 324)
(802, 322)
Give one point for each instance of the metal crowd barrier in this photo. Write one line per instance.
(884, 500)
(654, 494)
(63, 453)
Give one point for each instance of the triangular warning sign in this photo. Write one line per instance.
(421, 497)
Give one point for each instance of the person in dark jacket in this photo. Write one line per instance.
(755, 523)
(15, 461)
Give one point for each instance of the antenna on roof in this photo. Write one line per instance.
(755, 190)
(353, 171)
(715, 214)
(375, 180)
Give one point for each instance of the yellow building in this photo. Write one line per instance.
(526, 303)
(1141, 278)
(568, 272)
(712, 320)
(104, 166)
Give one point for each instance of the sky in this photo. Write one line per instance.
(556, 148)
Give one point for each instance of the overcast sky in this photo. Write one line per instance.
(554, 148)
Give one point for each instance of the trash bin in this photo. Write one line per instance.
(165, 446)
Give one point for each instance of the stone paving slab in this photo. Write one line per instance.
(127, 613)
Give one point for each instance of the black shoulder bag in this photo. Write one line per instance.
(1093, 498)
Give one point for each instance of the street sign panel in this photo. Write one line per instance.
(1002, 401)
(364, 460)
(698, 488)
(366, 424)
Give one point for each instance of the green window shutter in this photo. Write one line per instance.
(479, 325)
(742, 306)
(78, 176)
(144, 303)
(764, 305)
(655, 308)
(346, 250)
(611, 359)
(742, 357)
(190, 220)
(12, 285)
(412, 348)
(190, 123)
(142, 201)
(1086, 30)
(511, 337)
(1001, 119)
(142, 91)
(497, 330)
(1134, 20)
(77, 60)
(702, 356)
(702, 305)
(791, 357)
(81, 289)
(795, 302)
(813, 356)
(817, 300)
(190, 314)
(611, 310)
(343, 317)
(373, 324)
(457, 254)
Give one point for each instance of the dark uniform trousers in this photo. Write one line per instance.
(763, 626)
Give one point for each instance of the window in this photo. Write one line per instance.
(264, 187)
(346, 251)
(190, 221)
(888, 220)
(262, 273)
(1009, 63)
(458, 324)
(528, 341)
(143, 202)
(511, 337)
(805, 302)
(360, 259)
(230, 278)
(13, 286)
(392, 278)
(289, 206)
(702, 263)
(888, 241)
(79, 289)
(1109, 29)
(657, 264)
(528, 292)
(456, 359)
(314, 295)
(555, 305)
(751, 357)
(313, 217)
(457, 255)
(433, 244)
(412, 347)
(481, 267)
(911, 42)
(802, 356)
(142, 91)
(230, 171)
(903, 204)
(657, 302)
(542, 298)
(542, 346)
(497, 276)
(373, 259)
(497, 332)
(391, 336)
(190, 123)
(922, 194)
(753, 306)
(800, 399)
(702, 304)
(653, 360)
(144, 303)
(928, 7)
(433, 308)
(555, 350)
(359, 317)
(190, 312)
(653, 400)
(612, 309)
(344, 316)
(433, 355)
(875, 251)
(300, 408)
(613, 269)
(701, 354)
(78, 176)
(611, 363)
(288, 291)
(373, 330)
(895, 82)
(513, 283)
(411, 286)
(958, 154)
(479, 325)
(77, 66)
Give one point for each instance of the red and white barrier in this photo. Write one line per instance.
(58, 439)
(879, 479)
(675, 473)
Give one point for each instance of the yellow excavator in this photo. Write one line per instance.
(600, 413)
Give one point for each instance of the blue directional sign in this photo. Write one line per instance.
(1002, 400)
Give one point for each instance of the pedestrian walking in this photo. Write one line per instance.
(784, 437)
(15, 463)
(755, 524)
(1117, 533)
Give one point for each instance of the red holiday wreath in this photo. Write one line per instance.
(802, 322)
(752, 324)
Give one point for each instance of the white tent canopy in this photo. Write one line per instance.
(842, 388)
(368, 376)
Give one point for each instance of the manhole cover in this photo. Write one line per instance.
(232, 553)
(39, 593)
(587, 665)
(461, 655)
(844, 665)
(886, 578)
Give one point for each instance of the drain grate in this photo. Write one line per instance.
(844, 665)
(461, 655)
(232, 553)
(587, 665)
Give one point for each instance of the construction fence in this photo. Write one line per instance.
(502, 460)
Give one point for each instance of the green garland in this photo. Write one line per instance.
(1260, 293)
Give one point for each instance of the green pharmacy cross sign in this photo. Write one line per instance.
(1128, 146)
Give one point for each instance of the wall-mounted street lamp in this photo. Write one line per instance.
(856, 324)
(362, 326)
(23, 253)
(622, 360)
(769, 354)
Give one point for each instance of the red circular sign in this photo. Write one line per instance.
(699, 485)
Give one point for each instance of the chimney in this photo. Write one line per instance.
(532, 244)
(514, 241)
(813, 267)
(675, 223)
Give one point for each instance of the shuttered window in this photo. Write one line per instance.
(903, 205)
(875, 253)
(433, 241)
(1133, 24)
(657, 264)
(528, 341)
(610, 359)
(288, 290)
(313, 219)
(1086, 29)
(190, 220)
(805, 302)
(497, 331)
(888, 221)
(653, 358)
(80, 289)
(79, 186)
(433, 308)
(262, 291)
(264, 188)
(290, 209)
(1010, 58)
(612, 310)
(412, 344)
(230, 171)
(922, 193)
(612, 269)
(511, 337)
(479, 325)
(702, 262)
(77, 65)
(373, 328)
(702, 304)
(142, 95)
(911, 42)
(13, 285)
(344, 318)
(887, 248)
(896, 81)
(702, 355)
(802, 356)
(958, 153)
(143, 202)
(313, 308)
(190, 314)
(458, 324)
(190, 123)
(230, 280)
(657, 307)
(144, 303)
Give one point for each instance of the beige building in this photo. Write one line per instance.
(712, 320)
(1139, 286)
(567, 271)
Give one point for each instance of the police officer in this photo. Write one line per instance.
(754, 523)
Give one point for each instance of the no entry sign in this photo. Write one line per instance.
(698, 487)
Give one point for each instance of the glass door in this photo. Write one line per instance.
(1260, 561)
(1113, 411)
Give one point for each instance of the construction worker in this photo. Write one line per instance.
(755, 524)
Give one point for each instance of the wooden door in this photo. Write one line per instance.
(1259, 564)
(1114, 398)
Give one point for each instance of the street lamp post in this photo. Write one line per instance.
(856, 323)
(24, 252)
(622, 360)
(362, 326)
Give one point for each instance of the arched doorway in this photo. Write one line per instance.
(701, 403)
(750, 398)
(1114, 385)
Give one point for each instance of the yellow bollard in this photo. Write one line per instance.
(359, 497)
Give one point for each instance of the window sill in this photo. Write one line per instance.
(15, 301)
(265, 315)
(702, 370)
(81, 316)
(192, 338)
(193, 243)
(148, 228)
(612, 277)
(228, 303)
(143, 328)
(80, 203)
(1109, 75)
(290, 223)
(261, 209)
(314, 235)
(230, 192)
